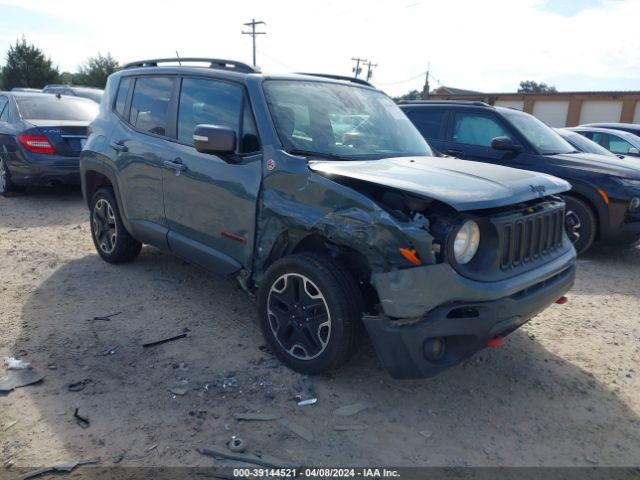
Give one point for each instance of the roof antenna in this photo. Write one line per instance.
(177, 55)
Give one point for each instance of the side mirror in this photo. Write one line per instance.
(634, 151)
(505, 143)
(214, 139)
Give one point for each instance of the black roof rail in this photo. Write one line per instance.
(338, 77)
(446, 102)
(213, 63)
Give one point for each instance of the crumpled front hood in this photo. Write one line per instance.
(462, 184)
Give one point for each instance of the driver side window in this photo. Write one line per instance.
(474, 129)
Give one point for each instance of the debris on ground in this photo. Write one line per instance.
(105, 318)
(62, 468)
(299, 430)
(256, 416)
(262, 460)
(80, 420)
(164, 340)
(110, 351)
(180, 391)
(19, 378)
(236, 444)
(15, 364)
(7, 426)
(161, 278)
(426, 433)
(152, 447)
(349, 410)
(79, 386)
(348, 428)
(307, 395)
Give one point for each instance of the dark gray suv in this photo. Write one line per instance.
(319, 196)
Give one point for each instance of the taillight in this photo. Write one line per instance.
(36, 143)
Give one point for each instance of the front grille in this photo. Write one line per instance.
(527, 238)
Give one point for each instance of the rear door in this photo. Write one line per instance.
(138, 148)
(210, 200)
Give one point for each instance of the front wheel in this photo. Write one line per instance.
(111, 239)
(310, 311)
(580, 224)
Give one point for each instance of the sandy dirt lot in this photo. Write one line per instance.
(562, 391)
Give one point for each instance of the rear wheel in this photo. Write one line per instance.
(309, 311)
(111, 239)
(7, 187)
(580, 224)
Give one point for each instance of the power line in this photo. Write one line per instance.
(253, 34)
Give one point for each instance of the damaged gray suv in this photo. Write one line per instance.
(317, 195)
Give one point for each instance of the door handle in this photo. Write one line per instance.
(455, 153)
(176, 165)
(119, 147)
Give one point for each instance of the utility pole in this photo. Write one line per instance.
(357, 68)
(425, 91)
(370, 67)
(253, 34)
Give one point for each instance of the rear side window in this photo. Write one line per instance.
(428, 122)
(150, 104)
(208, 102)
(4, 109)
(121, 96)
(473, 129)
(50, 107)
(612, 143)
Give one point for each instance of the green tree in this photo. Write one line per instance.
(94, 72)
(412, 95)
(27, 66)
(529, 86)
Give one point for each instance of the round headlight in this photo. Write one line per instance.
(466, 242)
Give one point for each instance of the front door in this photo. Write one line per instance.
(210, 200)
(470, 137)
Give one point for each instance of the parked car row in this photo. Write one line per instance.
(604, 202)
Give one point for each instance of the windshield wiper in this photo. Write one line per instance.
(311, 153)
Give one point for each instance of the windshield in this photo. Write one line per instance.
(342, 121)
(50, 107)
(585, 145)
(542, 137)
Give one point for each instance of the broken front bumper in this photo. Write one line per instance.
(468, 313)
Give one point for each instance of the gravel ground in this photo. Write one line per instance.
(562, 391)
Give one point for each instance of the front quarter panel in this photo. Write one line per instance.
(300, 202)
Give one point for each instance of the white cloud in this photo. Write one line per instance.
(489, 45)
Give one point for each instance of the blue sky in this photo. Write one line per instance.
(488, 46)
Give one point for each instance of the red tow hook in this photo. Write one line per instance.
(562, 300)
(495, 342)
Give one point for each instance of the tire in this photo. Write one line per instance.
(323, 287)
(7, 187)
(112, 241)
(580, 224)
